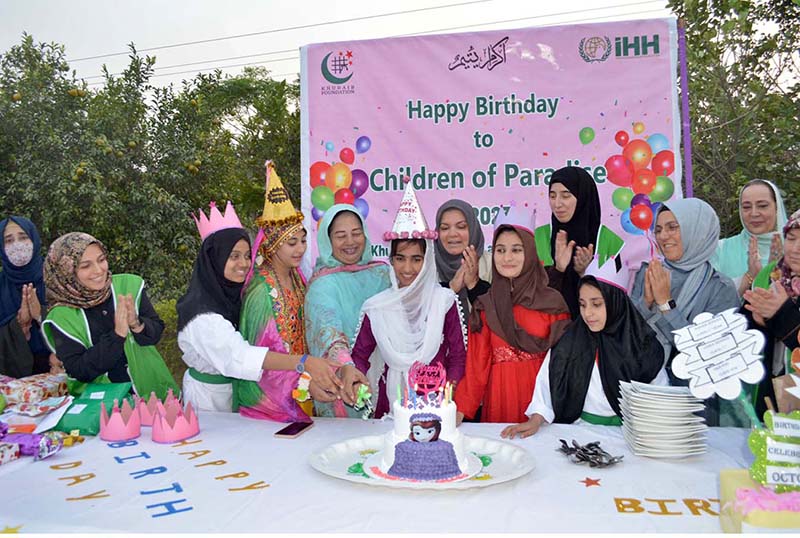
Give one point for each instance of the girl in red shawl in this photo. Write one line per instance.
(511, 329)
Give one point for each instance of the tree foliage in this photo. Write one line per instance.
(128, 162)
(744, 81)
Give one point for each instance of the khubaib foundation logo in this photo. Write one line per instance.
(337, 69)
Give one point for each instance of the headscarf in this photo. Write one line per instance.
(581, 228)
(790, 280)
(407, 323)
(627, 349)
(12, 278)
(209, 291)
(731, 256)
(61, 277)
(448, 264)
(529, 290)
(699, 226)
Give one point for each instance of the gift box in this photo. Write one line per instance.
(33, 388)
(735, 518)
(8, 452)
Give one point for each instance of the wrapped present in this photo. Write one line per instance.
(8, 452)
(34, 388)
(40, 408)
(747, 506)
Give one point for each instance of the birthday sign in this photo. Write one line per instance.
(717, 353)
(487, 117)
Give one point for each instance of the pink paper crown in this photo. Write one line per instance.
(174, 424)
(120, 425)
(609, 274)
(216, 221)
(410, 223)
(518, 216)
(147, 409)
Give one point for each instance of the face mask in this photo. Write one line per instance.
(20, 253)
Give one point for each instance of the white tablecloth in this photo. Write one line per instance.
(203, 486)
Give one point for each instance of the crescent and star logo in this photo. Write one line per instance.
(333, 68)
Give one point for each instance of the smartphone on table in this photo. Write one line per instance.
(293, 430)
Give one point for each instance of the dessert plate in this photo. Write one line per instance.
(499, 461)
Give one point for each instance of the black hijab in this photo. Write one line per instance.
(627, 350)
(581, 228)
(209, 291)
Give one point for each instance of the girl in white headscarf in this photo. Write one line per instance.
(414, 320)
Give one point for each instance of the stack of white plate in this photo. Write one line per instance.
(660, 422)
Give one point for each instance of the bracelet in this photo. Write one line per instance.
(301, 393)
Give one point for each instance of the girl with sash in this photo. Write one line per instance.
(763, 215)
(101, 326)
(671, 293)
(773, 306)
(461, 263)
(272, 306)
(511, 328)
(344, 277)
(23, 351)
(416, 320)
(610, 342)
(217, 354)
(566, 244)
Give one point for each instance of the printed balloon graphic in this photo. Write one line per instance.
(640, 199)
(655, 208)
(317, 173)
(627, 225)
(641, 216)
(644, 181)
(586, 135)
(316, 214)
(363, 144)
(620, 170)
(347, 156)
(362, 207)
(329, 146)
(621, 138)
(664, 163)
(338, 177)
(663, 190)
(359, 183)
(658, 142)
(322, 197)
(638, 152)
(638, 127)
(344, 196)
(621, 198)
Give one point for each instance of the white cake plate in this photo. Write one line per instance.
(499, 461)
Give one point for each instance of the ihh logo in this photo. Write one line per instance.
(632, 47)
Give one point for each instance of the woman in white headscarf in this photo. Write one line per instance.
(763, 215)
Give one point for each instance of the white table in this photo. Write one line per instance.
(148, 487)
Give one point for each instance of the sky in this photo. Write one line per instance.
(90, 28)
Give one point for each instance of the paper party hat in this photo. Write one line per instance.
(518, 216)
(607, 265)
(410, 223)
(175, 424)
(121, 425)
(216, 221)
(147, 409)
(278, 207)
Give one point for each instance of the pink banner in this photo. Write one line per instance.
(487, 117)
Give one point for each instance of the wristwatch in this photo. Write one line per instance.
(669, 305)
(301, 366)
